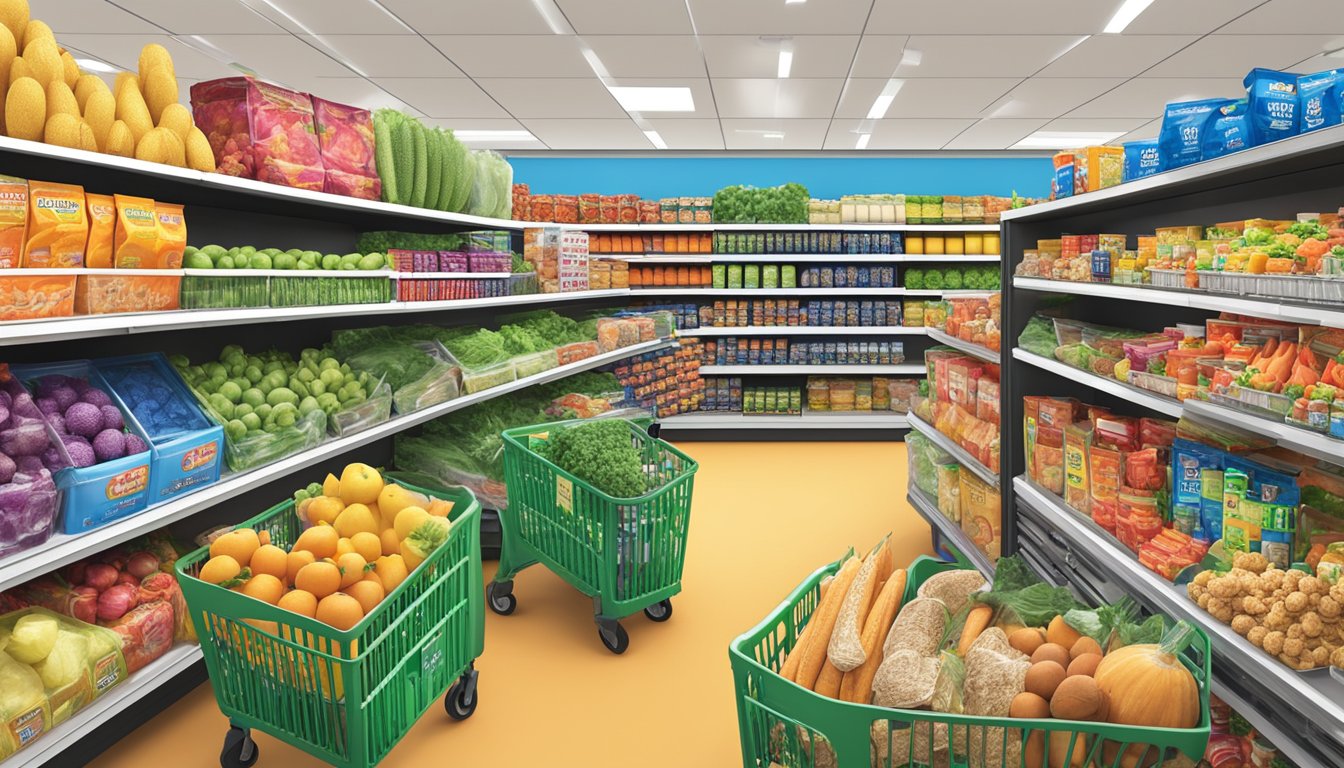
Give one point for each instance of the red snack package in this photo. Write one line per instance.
(1104, 472)
(146, 633)
(345, 138)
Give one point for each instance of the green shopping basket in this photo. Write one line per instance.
(783, 725)
(627, 554)
(344, 697)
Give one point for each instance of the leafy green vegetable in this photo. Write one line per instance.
(1017, 587)
(1150, 630)
(1280, 251)
(933, 280)
(475, 348)
(1012, 573)
(601, 453)
(420, 172)
(914, 279)
(1309, 230)
(952, 279)
(785, 204)
(384, 241)
(1038, 337)
(1258, 235)
(434, 150)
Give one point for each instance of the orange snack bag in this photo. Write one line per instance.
(58, 225)
(172, 235)
(102, 229)
(13, 220)
(137, 233)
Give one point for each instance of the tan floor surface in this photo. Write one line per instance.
(765, 516)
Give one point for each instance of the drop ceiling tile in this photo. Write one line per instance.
(124, 51)
(627, 17)
(758, 55)
(648, 55)
(998, 133)
(1284, 17)
(1146, 97)
(697, 133)
(515, 55)
(1050, 97)
(878, 55)
(219, 17)
(775, 17)
(764, 134)
(470, 17)
(94, 16)
(791, 98)
(1318, 63)
(989, 17)
(899, 133)
(588, 134)
(926, 97)
(467, 124)
(1095, 124)
(701, 94)
(1187, 17)
(1235, 55)
(1116, 55)
(964, 56)
(368, 54)
(551, 98)
(331, 17)
(355, 91)
(443, 97)
(1146, 131)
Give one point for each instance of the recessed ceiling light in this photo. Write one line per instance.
(94, 65)
(655, 139)
(883, 101)
(862, 143)
(911, 57)
(552, 16)
(794, 2)
(653, 98)
(496, 136)
(1127, 12)
(785, 60)
(772, 135)
(1066, 139)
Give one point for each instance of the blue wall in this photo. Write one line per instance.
(828, 178)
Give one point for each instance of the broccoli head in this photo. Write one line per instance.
(914, 278)
(952, 279)
(600, 453)
(933, 280)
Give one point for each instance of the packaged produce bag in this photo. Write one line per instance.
(345, 138)
(260, 131)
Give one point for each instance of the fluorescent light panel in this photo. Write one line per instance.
(794, 2)
(862, 143)
(655, 139)
(785, 61)
(94, 65)
(1066, 139)
(772, 135)
(1128, 11)
(552, 16)
(883, 101)
(653, 98)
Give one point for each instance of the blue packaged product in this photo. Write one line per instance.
(1197, 483)
(1183, 123)
(1319, 96)
(1227, 131)
(1273, 104)
(1142, 158)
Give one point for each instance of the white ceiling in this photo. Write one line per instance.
(974, 74)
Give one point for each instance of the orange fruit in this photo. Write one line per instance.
(320, 578)
(409, 519)
(321, 540)
(339, 610)
(296, 560)
(360, 484)
(395, 498)
(352, 568)
(264, 537)
(269, 559)
(331, 486)
(343, 547)
(439, 508)
(391, 544)
(356, 518)
(264, 587)
(239, 545)
(219, 569)
(368, 593)
(368, 545)
(323, 509)
(300, 602)
(392, 570)
(373, 576)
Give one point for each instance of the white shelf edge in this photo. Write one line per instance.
(798, 258)
(1115, 387)
(724, 227)
(805, 330)
(1322, 314)
(63, 549)
(706, 420)
(949, 530)
(688, 292)
(1315, 444)
(814, 370)
(974, 350)
(963, 457)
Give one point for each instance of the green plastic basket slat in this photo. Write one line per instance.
(779, 722)
(344, 697)
(628, 553)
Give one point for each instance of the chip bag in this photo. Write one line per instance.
(1318, 98)
(1273, 104)
(102, 231)
(1180, 140)
(13, 220)
(58, 227)
(137, 235)
(172, 229)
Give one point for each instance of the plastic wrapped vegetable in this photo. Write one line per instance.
(1039, 337)
(933, 280)
(28, 497)
(492, 191)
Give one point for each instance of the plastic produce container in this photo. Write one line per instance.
(103, 493)
(523, 283)
(30, 500)
(345, 138)
(222, 289)
(258, 447)
(260, 131)
(531, 365)
(31, 294)
(374, 410)
(325, 288)
(186, 447)
(484, 378)
(107, 291)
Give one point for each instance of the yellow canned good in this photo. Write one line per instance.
(934, 245)
(914, 245)
(992, 243)
(955, 245)
(975, 244)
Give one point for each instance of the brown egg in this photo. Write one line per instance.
(1028, 705)
(1085, 665)
(1052, 652)
(1044, 677)
(1084, 645)
(1026, 640)
(1077, 698)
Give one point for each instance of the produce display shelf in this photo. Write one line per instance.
(729, 420)
(962, 292)
(873, 227)
(795, 258)
(963, 457)
(1309, 314)
(814, 370)
(451, 275)
(1312, 697)
(1314, 444)
(763, 292)
(49, 748)
(63, 549)
(974, 350)
(805, 330)
(1127, 392)
(949, 530)
(91, 326)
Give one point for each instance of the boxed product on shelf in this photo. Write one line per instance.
(851, 313)
(105, 291)
(27, 445)
(684, 276)
(667, 382)
(260, 131)
(428, 287)
(948, 498)
(771, 400)
(684, 316)
(823, 211)
(34, 297)
(981, 514)
(850, 276)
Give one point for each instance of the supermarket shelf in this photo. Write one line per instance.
(1310, 314)
(963, 457)
(729, 420)
(974, 350)
(449, 275)
(805, 330)
(795, 258)
(763, 292)
(48, 748)
(91, 326)
(964, 293)
(949, 530)
(1315, 444)
(1110, 386)
(874, 227)
(1312, 699)
(63, 549)
(818, 370)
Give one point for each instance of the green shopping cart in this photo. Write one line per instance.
(782, 724)
(344, 697)
(627, 554)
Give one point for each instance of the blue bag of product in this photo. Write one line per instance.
(1227, 131)
(1318, 97)
(1273, 104)
(1142, 158)
(1179, 141)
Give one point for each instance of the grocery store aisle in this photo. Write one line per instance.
(765, 515)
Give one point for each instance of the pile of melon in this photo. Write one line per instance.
(49, 99)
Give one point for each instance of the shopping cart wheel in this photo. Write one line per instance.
(460, 701)
(240, 751)
(500, 597)
(659, 611)
(613, 636)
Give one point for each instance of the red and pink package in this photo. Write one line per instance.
(260, 131)
(345, 136)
